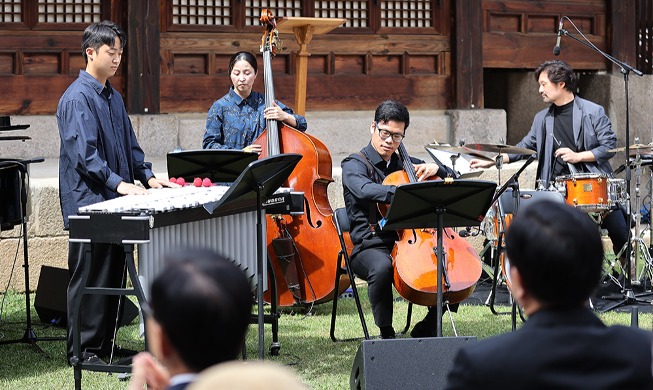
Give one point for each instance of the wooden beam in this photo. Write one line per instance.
(624, 32)
(143, 72)
(469, 55)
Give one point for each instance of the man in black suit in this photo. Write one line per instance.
(556, 256)
(199, 311)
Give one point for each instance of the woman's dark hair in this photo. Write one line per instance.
(243, 56)
(203, 302)
(391, 110)
(558, 71)
(104, 33)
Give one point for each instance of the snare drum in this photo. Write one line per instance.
(617, 191)
(586, 191)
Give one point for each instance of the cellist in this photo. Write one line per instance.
(235, 120)
(362, 176)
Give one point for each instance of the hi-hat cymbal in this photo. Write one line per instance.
(634, 149)
(499, 148)
(458, 149)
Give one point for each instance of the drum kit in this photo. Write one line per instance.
(594, 193)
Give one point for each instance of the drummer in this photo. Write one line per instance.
(572, 136)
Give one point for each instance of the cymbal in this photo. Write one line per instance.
(448, 148)
(458, 149)
(499, 148)
(634, 149)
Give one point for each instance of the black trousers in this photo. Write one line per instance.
(374, 265)
(99, 314)
(616, 224)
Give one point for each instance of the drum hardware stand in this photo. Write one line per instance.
(638, 246)
(513, 183)
(627, 296)
(29, 337)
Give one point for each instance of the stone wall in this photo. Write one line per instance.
(342, 132)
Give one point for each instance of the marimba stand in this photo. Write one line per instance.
(304, 29)
(260, 178)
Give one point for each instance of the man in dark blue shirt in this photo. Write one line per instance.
(362, 177)
(99, 160)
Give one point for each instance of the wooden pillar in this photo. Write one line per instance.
(304, 29)
(468, 53)
(143, 73)
(624, 32)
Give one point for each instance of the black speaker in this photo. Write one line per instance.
(421, 363)
(50, 300)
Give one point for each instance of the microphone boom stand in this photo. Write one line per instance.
(627, 297)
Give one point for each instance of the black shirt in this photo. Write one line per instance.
(363, 191)
(563, 136)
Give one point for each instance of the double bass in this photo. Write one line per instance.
(303, 249)
(415, 262)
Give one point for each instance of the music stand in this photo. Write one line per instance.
(29, 337)
(219, 165)
(425, 204)
(259, 180)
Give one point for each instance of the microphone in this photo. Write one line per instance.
(556, 48)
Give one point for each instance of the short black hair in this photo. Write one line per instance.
(104, 33)
(243, 56)
(558, 252)
(558, 71)
(203, 302)
(392, 110)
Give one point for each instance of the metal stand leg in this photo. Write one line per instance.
(29, 337)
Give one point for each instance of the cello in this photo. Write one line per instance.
(415, 261)
(303, 249)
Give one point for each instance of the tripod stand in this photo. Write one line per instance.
(639, 247)
(29, 336)
(627, 297)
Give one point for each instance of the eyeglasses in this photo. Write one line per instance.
(385, 134)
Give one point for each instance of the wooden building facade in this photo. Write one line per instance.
(429, 54)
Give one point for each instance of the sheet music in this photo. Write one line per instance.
(461, 166)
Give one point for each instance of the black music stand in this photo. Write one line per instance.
(425, 204)
(219, 165)
(29, 337)
(259, 180)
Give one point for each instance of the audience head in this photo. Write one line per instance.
(201, 304)
(103, 33)
(250, 375)
(557, 251)
(558, 71)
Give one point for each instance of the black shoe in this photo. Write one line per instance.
(123, 352)
(388, 332)
(424, 328)
(87, 358)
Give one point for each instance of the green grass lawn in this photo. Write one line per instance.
(305, 343)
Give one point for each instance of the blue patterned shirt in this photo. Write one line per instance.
(234, 122)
